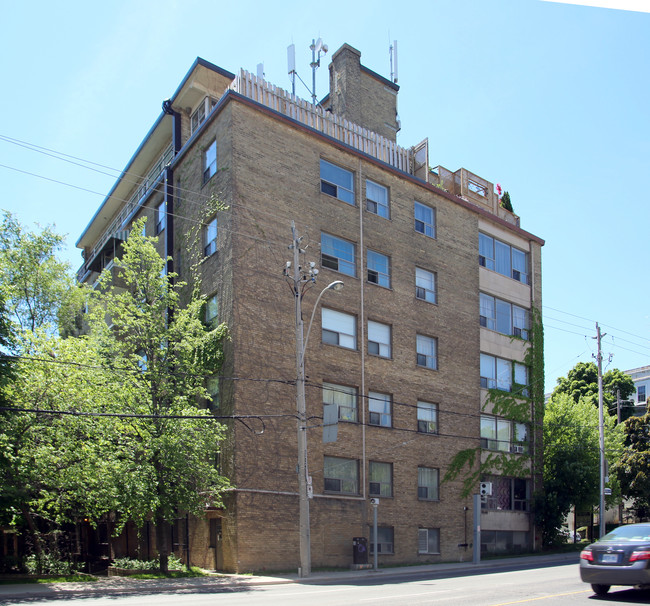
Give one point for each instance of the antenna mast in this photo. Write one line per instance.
(317, 47)
(393, 61)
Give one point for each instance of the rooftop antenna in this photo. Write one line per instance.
(291, 66)
(260, 71)
(317, 47)
(393, 61)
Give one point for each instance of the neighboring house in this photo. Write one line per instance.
(436, 310)
(641, 378)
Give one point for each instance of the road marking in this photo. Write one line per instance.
(545, 597)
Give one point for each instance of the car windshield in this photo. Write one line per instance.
(628, 533)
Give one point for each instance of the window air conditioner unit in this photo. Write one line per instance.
(486, 489)
(517, 448)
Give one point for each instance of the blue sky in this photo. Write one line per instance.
(548, 99)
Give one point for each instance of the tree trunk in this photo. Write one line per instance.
(32, 530)
(162, 544)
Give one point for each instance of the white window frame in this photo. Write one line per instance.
(379, 339)
(496, 373)
(344, 398)
(378, 486)
(337, 182)
(496, 433)
(425, 285)
(377, 200)
(337, 470)
(428, 491)
(504, 317)
(427, 352)
(210, 232)
(428, 540)
(338, 254)
(201, 113)
(160, 217)
(380, 409)
(640, 394)
(338, 328)
(507, 260)
(425, 225)
(209, 161)
(378, 265)
(427, 417)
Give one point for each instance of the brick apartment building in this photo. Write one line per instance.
(439, 286)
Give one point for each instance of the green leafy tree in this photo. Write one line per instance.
(164, 353)
(572, 459)
(38, 288)
(582, 382)
(633, 467)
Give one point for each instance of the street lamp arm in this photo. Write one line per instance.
(336, 285)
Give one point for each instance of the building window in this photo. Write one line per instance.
(425, 220)
(503, 258)
(496, 373)
(210, 238)
(428, 540)
(504, 317)
(521, 378)
(160, 217)
(378, 269)
(341, 475)
(425, 285)
(503, 435)
(427, 354)
(377, 199)
(344, 398)
(380, 477)
(384, 540)
(338, 254)
(211, 309)
(379, 409)
(339, 328)
(336, 181)
(379, 339)
(427, 417)
(428, 484)
(209, 161)
(212, 387)
(201, 113)
(508, 494)
(640, 394)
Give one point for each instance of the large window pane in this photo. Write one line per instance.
(344, 398)
(339, 328)
(341, 475)
(338, 254)
(337, 182)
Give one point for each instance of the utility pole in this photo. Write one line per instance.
(298, 280)
(601, 431)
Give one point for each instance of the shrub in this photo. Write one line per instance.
(48, 564)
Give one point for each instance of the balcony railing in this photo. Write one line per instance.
(143, 188)
(314, 116)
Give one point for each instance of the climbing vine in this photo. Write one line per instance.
(524, 404)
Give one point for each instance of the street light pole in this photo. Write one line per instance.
(301, 280)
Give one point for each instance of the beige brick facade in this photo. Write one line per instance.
(267, 175)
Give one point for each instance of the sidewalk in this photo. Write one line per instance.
(216, 582)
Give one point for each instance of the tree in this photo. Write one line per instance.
(633, 467)
(572, 459)
(37, 287)
(164, 354)
(506, 203)
(582, 381)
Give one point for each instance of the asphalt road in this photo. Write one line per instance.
(548, 586)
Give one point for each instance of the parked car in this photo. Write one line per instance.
(621, 557)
